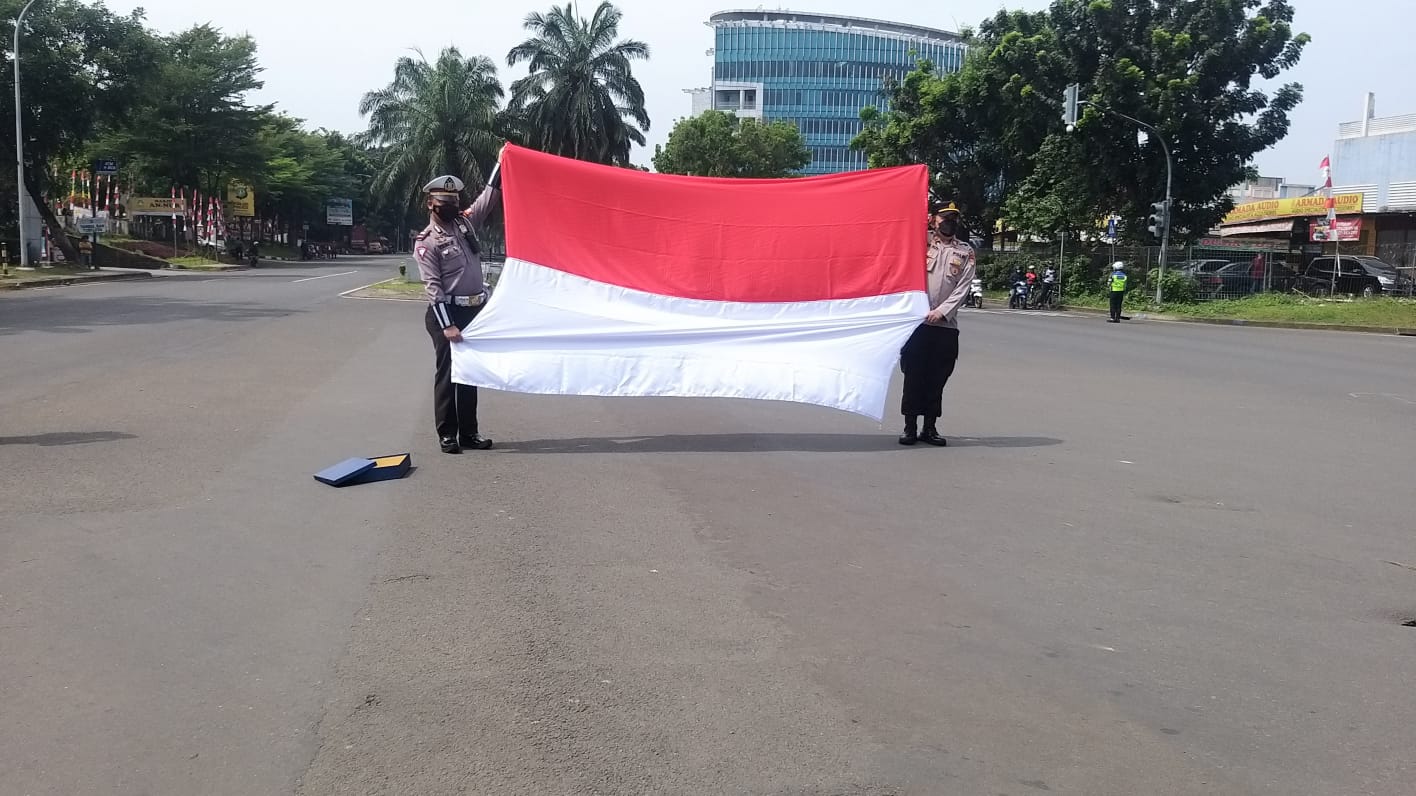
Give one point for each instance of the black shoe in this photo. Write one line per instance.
(449, 445)
(910, 437)
(476, 442)
(931, 437)
(1113, 320)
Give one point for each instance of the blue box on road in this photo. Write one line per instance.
(366, 471)
(345, 472)
(386, 468)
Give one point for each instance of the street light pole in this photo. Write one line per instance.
(1169, 170)
(20, 141)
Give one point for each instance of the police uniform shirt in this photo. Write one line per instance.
(951, 270)
(446, 262)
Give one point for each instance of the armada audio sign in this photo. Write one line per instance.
(1296, 207)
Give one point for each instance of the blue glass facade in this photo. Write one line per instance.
(820, 73)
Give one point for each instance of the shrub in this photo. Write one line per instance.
(1177, 288)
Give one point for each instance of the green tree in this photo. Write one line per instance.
(718, 144)
(82, 66)
(434, 118)
(192, 125)
(977, 129)
(1189, 67)
(581, 99)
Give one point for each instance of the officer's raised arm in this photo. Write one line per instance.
(482, 207)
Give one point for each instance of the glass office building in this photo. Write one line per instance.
(816, 70)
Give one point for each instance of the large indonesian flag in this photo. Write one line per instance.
(619, 282)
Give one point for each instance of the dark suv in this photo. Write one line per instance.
(1356, 275)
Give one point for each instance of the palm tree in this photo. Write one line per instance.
(580, 99)
(440, 118)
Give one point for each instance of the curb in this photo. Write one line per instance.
(61, 281)
(210, 269)
(1315, 327)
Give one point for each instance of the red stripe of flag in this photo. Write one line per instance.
(839, 236)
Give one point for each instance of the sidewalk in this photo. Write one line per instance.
(60, 276)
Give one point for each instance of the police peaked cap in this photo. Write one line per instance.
(949, 208)
(446, 185)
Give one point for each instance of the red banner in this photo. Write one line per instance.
(1343, 229)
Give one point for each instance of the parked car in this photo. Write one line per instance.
(1205, 274)
(1355, 275)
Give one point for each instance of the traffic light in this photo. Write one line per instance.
(1159, 219)
(1069, 106)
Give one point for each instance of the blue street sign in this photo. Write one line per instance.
(105, 167)
(1111, 227)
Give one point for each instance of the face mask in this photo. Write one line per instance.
(947, 227)
(445, 212)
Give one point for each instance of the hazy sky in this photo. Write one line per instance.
(320, 56)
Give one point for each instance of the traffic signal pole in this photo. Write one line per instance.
(1070, 103)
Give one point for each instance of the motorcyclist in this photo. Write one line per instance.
(1049, 284)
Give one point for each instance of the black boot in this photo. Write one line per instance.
(911, 435)
(476, 442)
(449, 445)
(931, 435)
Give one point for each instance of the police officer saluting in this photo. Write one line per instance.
(1117, 286)
(929, 356)
(450, 263)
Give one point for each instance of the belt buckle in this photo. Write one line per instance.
(463, 301)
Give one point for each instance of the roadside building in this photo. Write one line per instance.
(817, 71)
(1374, 184)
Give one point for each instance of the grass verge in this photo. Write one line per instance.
(17, 276)
(395, 288)
(1283, 308)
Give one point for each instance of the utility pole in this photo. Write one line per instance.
(1070, 103)
(20, 141)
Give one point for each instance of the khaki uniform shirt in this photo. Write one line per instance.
(951, 268)
(446, 261)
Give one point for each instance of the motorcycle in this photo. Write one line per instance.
(975, 294)
(1018, 297)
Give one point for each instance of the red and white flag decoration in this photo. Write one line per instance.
(1326, 166)
(623, 283)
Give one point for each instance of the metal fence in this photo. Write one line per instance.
(1211, 273)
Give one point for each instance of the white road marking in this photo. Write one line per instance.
(1391, 396)
(326, 276)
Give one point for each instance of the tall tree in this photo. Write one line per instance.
(81, 66)
(978, 129)
(1188, 67)
(718, 144)
(193, 125)
(581, 99)
(434, 118)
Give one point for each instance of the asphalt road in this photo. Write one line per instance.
(1155, 560)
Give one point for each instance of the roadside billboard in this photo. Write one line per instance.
(339, 212)
(240, 199)
(156, 206)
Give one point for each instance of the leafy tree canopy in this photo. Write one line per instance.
(717, 144)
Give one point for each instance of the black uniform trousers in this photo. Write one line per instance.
(927, 361)
(1117, 298)
(454, 405)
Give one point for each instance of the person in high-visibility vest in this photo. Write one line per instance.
(1117, 289)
